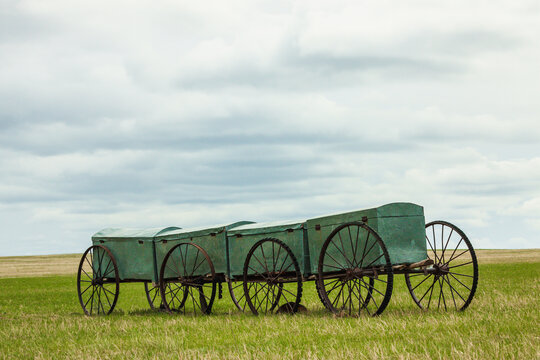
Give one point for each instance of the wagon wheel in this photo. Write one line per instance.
(153, 295)
(236, 290)
(187, 280)
(451, 282)
(272, 278)
(355, 274)
(238, 296)
(365, 301)
(98, 283)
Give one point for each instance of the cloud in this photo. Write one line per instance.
(189, 115)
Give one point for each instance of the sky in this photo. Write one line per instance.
(187, 113)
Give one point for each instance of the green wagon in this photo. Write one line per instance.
(351, 257)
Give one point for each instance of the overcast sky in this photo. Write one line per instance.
(133, 114)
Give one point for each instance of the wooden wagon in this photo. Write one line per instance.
(352, 257)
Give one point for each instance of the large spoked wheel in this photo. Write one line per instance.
(236, 290)
(355, 273)
(98, 283)
(153, 295)
(272, 278)
(187, 280)
(450, 283)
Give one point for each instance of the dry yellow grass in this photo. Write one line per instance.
(45, 265)
(508, 256)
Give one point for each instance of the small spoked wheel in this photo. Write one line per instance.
(236, 290)
(450, 283)
(272, 278)
(355, 273)
(187, 280)
(98, 283)
(153, 295)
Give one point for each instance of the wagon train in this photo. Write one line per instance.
(351, 257)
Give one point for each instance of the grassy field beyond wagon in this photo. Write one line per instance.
(40, 318)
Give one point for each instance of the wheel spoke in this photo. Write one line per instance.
(106, 297)
(356, 245)
(343, 248)
(453, 258)
(435, 243)
(334, 287)
(361, 298)
(431, 293)
(431, 246)
(352, 246)
(339, 293)
(337, 262)
(370, 293)
(454, 273)
(105, 272)
(89, 286)
(455, 290)
(256, 258)
(202, 262)
(417, 285)
(371, 263)
(457, 246)
(447, 241)
(440, 293)
(468, 288)
(467, 263)
(451, 291)
(370, 286)
(427, 290)
(362, 263)
(194, 262)
(91, 278)
(264, 257)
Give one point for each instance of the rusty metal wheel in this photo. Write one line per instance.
(98, 283)
(272, 278)
(187, 280)
(236, 290)
(450, 283)
(355, 273)
(153, 295)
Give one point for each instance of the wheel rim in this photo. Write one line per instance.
(153, 295)
(187, 280)
(98, 283)
(450, 283)
(272, 278)
(236, 290)
(354, 273)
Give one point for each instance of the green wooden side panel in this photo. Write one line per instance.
(400, 225)
(133, 250)
(242, 239)
(212, 239)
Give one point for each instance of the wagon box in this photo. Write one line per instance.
(241, 239)
(133, 250)
(400, 225)
(212, 239)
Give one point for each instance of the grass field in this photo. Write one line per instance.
(40, 317)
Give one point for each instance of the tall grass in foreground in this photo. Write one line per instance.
(41, 318)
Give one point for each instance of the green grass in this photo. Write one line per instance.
(40, 317)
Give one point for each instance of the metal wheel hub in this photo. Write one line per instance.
(441, 269)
